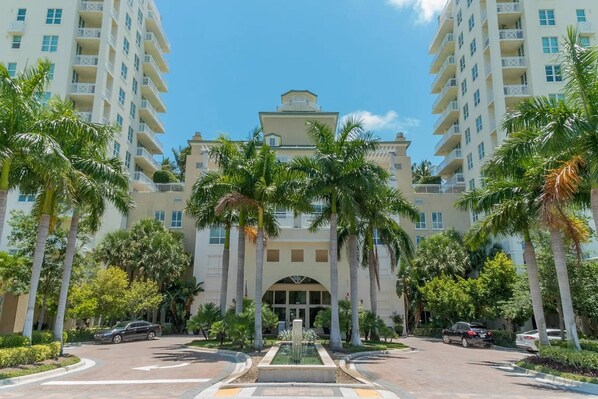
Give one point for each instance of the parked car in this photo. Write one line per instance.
(129, 331)
(527, 340)
(468, 334)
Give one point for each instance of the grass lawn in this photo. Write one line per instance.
(548, 370)
(38, 368)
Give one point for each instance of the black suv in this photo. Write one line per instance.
(128, 331)
(468, 334)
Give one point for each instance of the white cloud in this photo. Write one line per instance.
(390, 121)
(425, 9)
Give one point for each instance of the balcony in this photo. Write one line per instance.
(446, 47)
(89, 39)
(514, 93)
(446, 71)
(445, 25)
(152, 69)
(449, 116)
(153, 47)
(148, 138)
(455, 180)
(510, 39)
(451, 162)
(142, 183)
(150, 116)
(146, 160)
(92, 11)
(585, 28)
(438, 188)
(16, 27)
(170, 187)
(513, 67)
(150, 92)
(154, 24)
(448, 92)
(449, 140)
(83, 88)
(85, 63)
(508, 13)
(89, 33)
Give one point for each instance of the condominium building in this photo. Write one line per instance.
(108, 58)
(488, 55)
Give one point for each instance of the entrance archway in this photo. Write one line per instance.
(297, 297)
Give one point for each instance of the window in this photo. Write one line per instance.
(139, 16)
(133, 110)
(121, 96)
(138, 39)
(556, 97)
(459, 18)
(159, 216)
(553, 73)
(26, 197)
(418, 240)
(116, 149)
(54, 16)
(176, 220)
(422, 221)
(474, 72)
(550, 45)
(16, 41)
(126, 46)
(12, 69)
(50, 44)
(130, 135)
(296, 255)
(136, 63)
(462, 63)
(123, 71)
(476, 98)
(472, 47)
(481, 153)
(128, 159)
(217, 235)
(273, 255)
(437, 221)
(51, 72)
(465, 111)
(471, 23)
(472, 184)
(546, 17)
(460, 40)
(21, 12)
(46, 97)
(321, 255)
(464, 87)
(467, 136)
(584, 41)
(128, 21)
(134, 85)
(581, 15)
(478, 124)
(469, 161)
(272, 141)
(119, 120)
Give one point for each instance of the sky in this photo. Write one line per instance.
(231, 59)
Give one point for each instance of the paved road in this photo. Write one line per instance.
(180, 372)
(440, 371)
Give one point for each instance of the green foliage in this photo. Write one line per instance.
(207, 314)
(42, 337)
(140, 297)
(164, 176)
(496, 282)
(81, 335)
(178, 298)
(397, 322)
(582, 360)
(591, 346)
(386, 332)
(449, 299)
(324, 316)
(10, 357)
(15, 274)
(13, 341)
(518, 308)
(504, 338)
(441, 255)
(166, 328)
(240, 328)
(427, 332)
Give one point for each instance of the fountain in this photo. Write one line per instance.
(297, 361)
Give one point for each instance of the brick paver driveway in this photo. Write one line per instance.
(440, 371)
(176, 373)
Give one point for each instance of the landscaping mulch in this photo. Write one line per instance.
(537, 360)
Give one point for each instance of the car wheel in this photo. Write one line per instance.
(446, 339)
(151, 335)
(117, 339)
(465, 343)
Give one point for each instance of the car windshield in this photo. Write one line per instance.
(121, 324)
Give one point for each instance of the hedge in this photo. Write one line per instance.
(504, 338)
(13, 341)
(10, 357)
(591, 346)
(583, 360)
(427, 332)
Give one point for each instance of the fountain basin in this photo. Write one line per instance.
(322, 373)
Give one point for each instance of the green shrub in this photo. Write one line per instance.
(504, 338)
(13, 341)
(42, 337)
(81, 335)
(591, 346)
(427, 332)
(10, 357)
(166, 328)
(584, 360)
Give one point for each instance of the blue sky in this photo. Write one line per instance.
(231, 59)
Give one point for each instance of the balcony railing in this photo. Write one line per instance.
(451, 107)
(148, 83)
(91, 6)
(438, 188)
(153, 16)
(142, 152)
(449, 134)
(449, 62)
(508, 8)
(514, 62)
(456, 179)
(516, 90)
(585, 27)
(170, 187)
(89, 33)
(83, 88)
(140, 177)
(452, 83)
(16, 27)
(449, 37)
(86, 60)
(453, 155)
(147, 58)
(486, 39)
(145, 129)
(510, 34)
(145, 105)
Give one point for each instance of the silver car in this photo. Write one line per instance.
(527, 340)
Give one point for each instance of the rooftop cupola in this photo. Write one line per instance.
(299, 101)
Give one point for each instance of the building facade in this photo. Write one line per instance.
(488, 55)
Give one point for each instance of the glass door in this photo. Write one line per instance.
(296, 312)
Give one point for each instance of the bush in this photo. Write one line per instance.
(397, 322)
(81, 335)
(504, 338)
(591, 346)
(10, 357)
(166, 328)
(433, 332)
(13, 341)
(580, 360)
(42, 337)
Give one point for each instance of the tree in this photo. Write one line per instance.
(178, 298)
(140, 297)
(164, 176)
(441, 255)
(451, 299)
(423, 173)
(180, 159)
(14, 274)
(497, 282)
(207, 314)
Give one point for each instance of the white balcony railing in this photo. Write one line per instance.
(585, 27)
(510, 34)
(451, 107)
(449, 62)
(508, 8)
(456, 179)
(514, 62)
(145, 105)
(438, 188)
(144, 128)
(142, 152)
(169, 187)
(83, 88)
(451, 83)
(144, 180)
(89, 33)
(455, 154)
(516, 90)
(92, 6)
(448, 38)
(86, 60)
(453, 131)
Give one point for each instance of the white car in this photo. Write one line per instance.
(527, 340)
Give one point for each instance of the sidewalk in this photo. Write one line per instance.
(290, 391)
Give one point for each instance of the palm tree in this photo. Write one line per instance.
(336, 172)
(20, 108)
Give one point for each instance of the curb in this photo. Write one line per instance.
(585, 387)
(242, 360)
(11, 382)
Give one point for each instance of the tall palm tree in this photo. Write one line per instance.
(336, 172)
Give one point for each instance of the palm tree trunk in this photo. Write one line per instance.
(240, 268)
(335, 332)
(225, 265)
(38, 257)
(71, 245)
(593, 202)
(373, 285)
(529, 254)
(558, 251)
(3, 194)
(259, 271)
(42, 313)
(353, 265)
